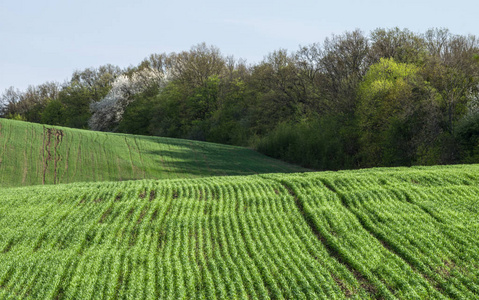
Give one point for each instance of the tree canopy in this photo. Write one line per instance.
(390, 97)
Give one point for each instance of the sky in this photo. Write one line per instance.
(47, 40)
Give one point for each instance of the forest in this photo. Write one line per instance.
(390, 97)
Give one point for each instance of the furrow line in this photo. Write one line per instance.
(7, 138)
(384, 242)
(141, 157)
(131, 158)
(77, 164)
(361, 278)
(65, 172)
(426, 211)
(25, 159)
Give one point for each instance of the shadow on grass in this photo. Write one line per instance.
(199, 159)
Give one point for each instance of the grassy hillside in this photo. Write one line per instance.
(379, 233)
(35, 154)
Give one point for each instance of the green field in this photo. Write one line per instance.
(387, 233)
(34, 154)
(408, 233)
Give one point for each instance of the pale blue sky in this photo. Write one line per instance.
(46, 40)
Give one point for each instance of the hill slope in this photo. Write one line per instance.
(35, 154)
(380, 233)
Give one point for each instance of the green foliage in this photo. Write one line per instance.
(386, 89)
(229, 123)
(396, 98)
(54, 113)
(401, 45)
(467, 133)
(138, 115)
(35, 113)
(204, 100)
(323, 144)
(17, 117)
(214, 112)
(390, 113)
(76, 105)
(167, 112)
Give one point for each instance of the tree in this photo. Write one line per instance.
(29, 103)
(53, 113)
(343, 64)
(97, 81)
(9, 102)
(75, 100)
(277, 85)
(453, 71)
(401, 45)
(395, 113)
(108, 113)
(193, 68)
(167, 111)
(308, 64)
(138, 114)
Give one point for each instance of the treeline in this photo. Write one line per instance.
(389, 98)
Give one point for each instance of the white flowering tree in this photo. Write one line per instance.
(191, 68)
(108, 112)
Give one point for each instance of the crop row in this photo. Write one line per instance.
(411, 231)
(365, 234)
(222, 238)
